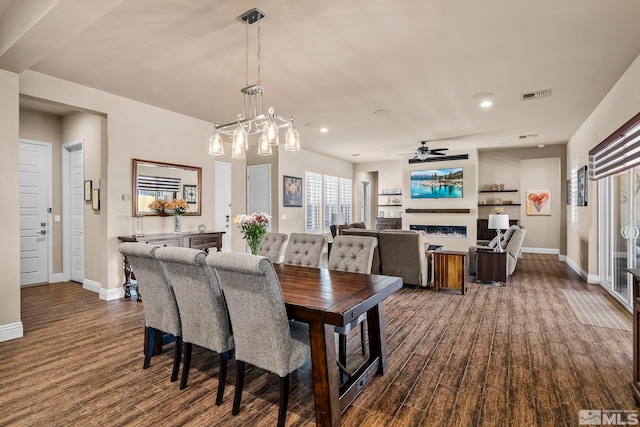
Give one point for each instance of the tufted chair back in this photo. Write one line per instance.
(305, 249)
(352, 253)
(271, 246)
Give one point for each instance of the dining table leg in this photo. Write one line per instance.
(326, 384)
(378, 336)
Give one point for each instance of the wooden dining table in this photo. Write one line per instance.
(328, 298)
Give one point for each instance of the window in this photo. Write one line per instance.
(325, 195)
(573, 213)
(345, 199)
(313, 190)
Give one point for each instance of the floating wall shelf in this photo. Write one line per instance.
(504, 204)
(498, 191)
(410, 210)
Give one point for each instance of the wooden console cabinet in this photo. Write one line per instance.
(389, 223)
(195, 240)
(491, 266)
(635, 384)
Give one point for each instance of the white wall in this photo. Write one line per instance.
(10, 324)
(621, 103)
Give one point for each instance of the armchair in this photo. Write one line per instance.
(402, 253)
(511, 242)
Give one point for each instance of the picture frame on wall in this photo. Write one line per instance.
(87, 190)
(292, 191)
(538, 202)
(581, 199)
(95, 199)
(190, 193)
(568, 192)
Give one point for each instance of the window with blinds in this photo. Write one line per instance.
(618, 152)
(573, 195)
(345, 199)
(330, 200)
(313, 206)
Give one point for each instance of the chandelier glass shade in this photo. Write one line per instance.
(253, 120)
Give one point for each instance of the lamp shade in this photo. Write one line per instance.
(337, 219)
(498, 222)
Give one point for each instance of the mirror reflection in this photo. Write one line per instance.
(157, 183)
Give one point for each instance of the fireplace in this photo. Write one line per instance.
(441, 230)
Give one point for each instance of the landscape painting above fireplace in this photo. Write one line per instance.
(436, 183)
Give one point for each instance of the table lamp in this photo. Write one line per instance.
(498, 222)
(337, 219)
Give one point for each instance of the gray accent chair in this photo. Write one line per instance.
(305, 249)
(256, 304)
(402, 254)
(271, 246)
(203, 311)
(353, 254)
(511, 242)
(160, 306)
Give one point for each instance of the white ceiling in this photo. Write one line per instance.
(333, 63)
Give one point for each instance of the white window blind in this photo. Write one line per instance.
(345, 199)
(618, 152)
(573, 194)
(313, 190)
(330, 200)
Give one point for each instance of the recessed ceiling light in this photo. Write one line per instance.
(324, 130)
(540, 145)
(486, 104)
(355, 154)
(382, 112)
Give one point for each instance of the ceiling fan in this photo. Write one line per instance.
(423, 152)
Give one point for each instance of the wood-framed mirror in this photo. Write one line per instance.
(166, 181)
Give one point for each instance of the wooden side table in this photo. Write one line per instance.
(491, 266)
(448, 267)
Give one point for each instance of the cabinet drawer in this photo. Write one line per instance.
(164, 243)
(204, 242)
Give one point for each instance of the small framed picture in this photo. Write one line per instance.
(397, 191)
(292, 191)
(381, 214)
(87, 190)
(95, 199)
(190, 193)
(582, 186)
(385, 191)
(390, 214)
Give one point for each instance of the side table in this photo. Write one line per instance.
(491, 266)
(448, 269)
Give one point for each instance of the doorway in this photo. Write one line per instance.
(73, 202)
(223, 203)
(35, 194)
(259, 189)
(365, 203)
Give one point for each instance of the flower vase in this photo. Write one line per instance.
(178, 224)
(254, 245)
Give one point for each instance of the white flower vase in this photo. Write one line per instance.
(178, 225)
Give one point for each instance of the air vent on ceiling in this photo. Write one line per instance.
(535, 95)
(533, 135)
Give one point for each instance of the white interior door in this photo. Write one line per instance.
(259, 189)
(365, 203)
(76, 211)
(35, 203)
(223, 203)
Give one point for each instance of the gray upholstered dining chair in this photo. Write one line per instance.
(255, 303)
(203, 311)
(271, 246)
(305, 249)
(160, 306)
(352, 254)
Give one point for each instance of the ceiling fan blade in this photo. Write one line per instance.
(434, 153)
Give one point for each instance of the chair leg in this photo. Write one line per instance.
(186, 366)
(362, 343)
(239, 384)
(149, 338)
(222, 379)
(284, 400)
(177, 357)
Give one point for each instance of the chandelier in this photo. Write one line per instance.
(253, 119)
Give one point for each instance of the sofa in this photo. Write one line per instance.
(399, 253)
(511, 242)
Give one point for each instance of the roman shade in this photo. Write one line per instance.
(618, 152)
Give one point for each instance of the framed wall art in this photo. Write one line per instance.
(87, 190)
(95, 199)
(538, 202)
(292, 191)
(190, 193)
(581, 199)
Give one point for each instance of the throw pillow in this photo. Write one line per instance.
(509, 232)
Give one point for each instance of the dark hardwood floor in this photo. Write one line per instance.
(513, 355)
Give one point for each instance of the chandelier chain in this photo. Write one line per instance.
(246, 54)
(259, 49)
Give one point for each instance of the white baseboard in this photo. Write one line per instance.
(11, 331)
(56, 278)
(91, 285)
(593, 279)
(562, 258)
(549, 251)
(111, 294)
